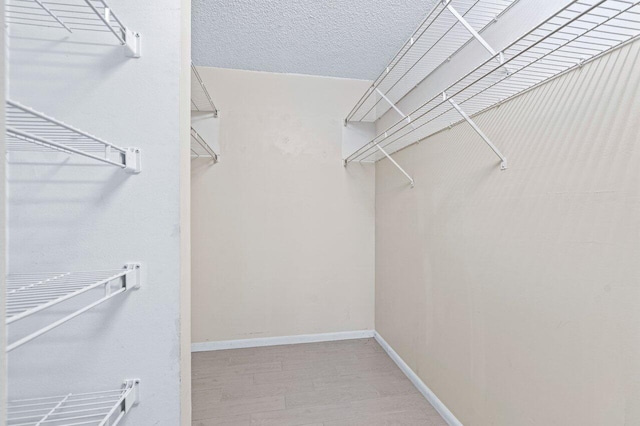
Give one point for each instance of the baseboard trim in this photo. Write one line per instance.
(331, 337)
(282, 340)
(418, 383)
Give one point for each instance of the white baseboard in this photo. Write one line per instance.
(284, 340)
(330, 337)
(419, 384)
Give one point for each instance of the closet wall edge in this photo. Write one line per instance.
(185, 215)
(3, 240)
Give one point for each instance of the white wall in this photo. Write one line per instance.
(3, 240)
(71, 214)
(514, 294)
(283, 234)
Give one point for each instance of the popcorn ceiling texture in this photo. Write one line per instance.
(348, 38)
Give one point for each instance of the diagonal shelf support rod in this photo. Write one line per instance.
(195, 136)
(406, 117)
(402, 114)
(503, 159)
(473, 32)
(411, 181)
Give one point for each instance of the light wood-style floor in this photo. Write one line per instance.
(351, 382)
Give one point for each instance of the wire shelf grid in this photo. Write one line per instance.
(200, 148)
(30, 293)
(105, 408)
(200, 98)
(82, 15)
(437, 39)
(583, 30)
(30, 130)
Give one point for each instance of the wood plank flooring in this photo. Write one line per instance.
(345, 383)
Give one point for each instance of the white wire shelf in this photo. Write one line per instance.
(72, 15)
(200, 148)
(437, 39)
(30, 130)
(580, 32)
(30, 293)
(200, 98)
(105, 408)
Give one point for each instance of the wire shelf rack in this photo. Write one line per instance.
(105, 408)
(72, 15)
(30, 293)
(200, 98)
(436, 40)
(200, 148)
(580, 32)
(30, 130)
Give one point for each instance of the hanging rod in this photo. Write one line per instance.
(70, 15)
(104, 408)
(30, 130)
(200, 148)
(444, 32)
(31, 293)
(580, 32)
(200, 98)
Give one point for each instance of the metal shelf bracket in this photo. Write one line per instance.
(474, 33)
(132, 160)
(200, 148)
(503, 159)
(132, 398)
(411, 181)
(132, 280)
(132, 43)
(396, 109)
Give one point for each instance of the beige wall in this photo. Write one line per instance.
(514, 295)
(282, 233)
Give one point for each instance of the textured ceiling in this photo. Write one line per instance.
(339, 38)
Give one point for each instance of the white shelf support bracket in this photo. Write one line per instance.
(129, 39)
(474, 33)
(132, 45)
(406, 117)
(132, 398)
(132, 280)
(503, 159)
(411, 181)
(132, 160)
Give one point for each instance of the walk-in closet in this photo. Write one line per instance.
(320, 213)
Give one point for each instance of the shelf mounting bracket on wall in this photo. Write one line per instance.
(474, 33)
(503, 159)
